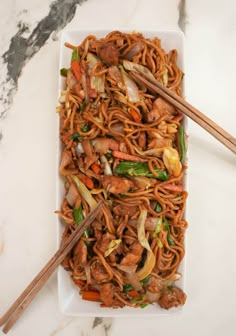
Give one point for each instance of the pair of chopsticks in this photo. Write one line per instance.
(23, 301)
(209, 125)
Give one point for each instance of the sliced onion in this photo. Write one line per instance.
(98, 191)
(148, 266)
(131, 88)
(88, 273)
(134, 51)
(141, 231)
(134, 281)
(79, 149)
(72, 194)
(85, 193)
(107, 167)
(142, 182)
(152, 297)
(120, 97)
(115, 74)
(112, 246)
(134, 66)
(131, 276)
(175, 277)
(152, 152)
(97, 82)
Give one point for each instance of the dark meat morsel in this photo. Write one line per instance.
(172, 297)
(80, 253)
(97, 228)
(98, 272)
(107, 293)
(108, 53)
(134, 256)
(105, 241)
(122, 210)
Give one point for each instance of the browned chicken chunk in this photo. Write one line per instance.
(105, 241)
(80, 254)
(134, 256)
(107, 293)
(98, 272)
(172, 297)
(116, 185)
(122, 210)
(108, 53)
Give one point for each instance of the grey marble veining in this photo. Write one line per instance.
(182, 21)
(22, 49)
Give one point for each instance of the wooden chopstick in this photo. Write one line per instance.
(209, 125)
(22, 302)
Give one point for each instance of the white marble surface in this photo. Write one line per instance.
(27, 160)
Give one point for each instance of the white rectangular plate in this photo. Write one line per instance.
(70, 301)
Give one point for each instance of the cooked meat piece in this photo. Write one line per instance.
(91, 157)
(172, 297)
(66, 160)
(116, 185)
(122, 210)
(102, 145)
(80, 254)
(97, 229)
(159, 143)
(155, 285)
(98, 272)
(70, 79)
(105, 241)
(107, 293)
(108, 53)
(134, 256)
(163, 106)
(153, 115)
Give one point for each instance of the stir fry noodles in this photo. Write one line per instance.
(125, 146)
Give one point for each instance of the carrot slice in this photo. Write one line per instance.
(135, 115)
(87, 181)
(127, 157)
(173, 187)
(76, 70)
(91, 296)
(95, 168)
(133, 293)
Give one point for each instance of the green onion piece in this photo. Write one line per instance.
(143, 305)
(63, 72)
(75, 55)
(75, 136)
(158, 207)
(83, 105)
(139, 169)
(182, 144)
(145, 280)
(127, 287)
(158, 227)
(86, 235)
(167, 228)
(85, 128)
(78, 215)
